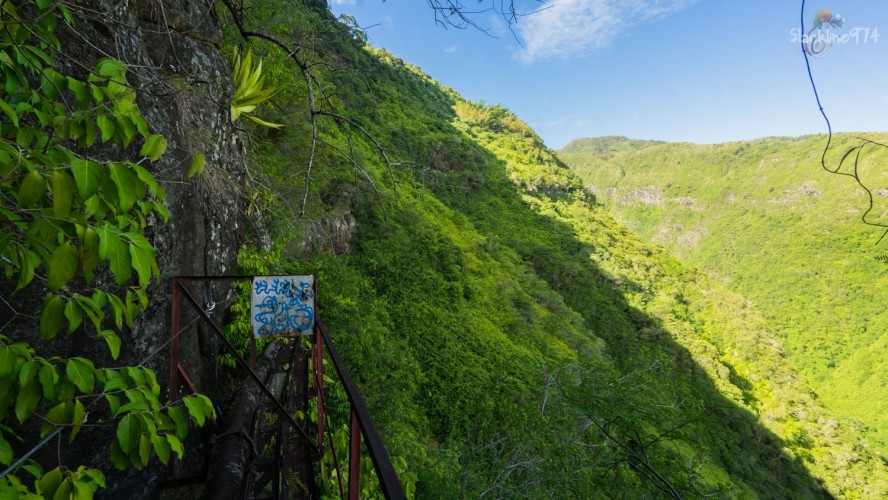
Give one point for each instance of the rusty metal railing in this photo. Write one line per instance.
(361, 424)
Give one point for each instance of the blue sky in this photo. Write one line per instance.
(702, 71)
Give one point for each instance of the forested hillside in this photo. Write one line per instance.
(511, 338)
(764, 218)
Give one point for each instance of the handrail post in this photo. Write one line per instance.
(318, 349)
(174, 345)
(354, 457)
(174, 362)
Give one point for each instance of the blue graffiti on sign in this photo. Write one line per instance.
(282, 305)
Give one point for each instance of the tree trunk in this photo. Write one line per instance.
(232, 449)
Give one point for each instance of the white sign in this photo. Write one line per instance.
(282, 306)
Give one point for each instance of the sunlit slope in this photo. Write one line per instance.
(512, 339)
(763, 217)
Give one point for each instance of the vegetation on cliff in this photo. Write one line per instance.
(510, 337)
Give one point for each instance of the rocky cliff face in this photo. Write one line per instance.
(184, 85)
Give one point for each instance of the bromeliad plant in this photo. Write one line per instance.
(249, 92)
(66, 216)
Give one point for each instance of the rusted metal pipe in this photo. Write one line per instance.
(318, 350)
(354, 457)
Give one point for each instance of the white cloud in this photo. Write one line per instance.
(344, 2)
(498, 27)
(573, 28)
(451, 50)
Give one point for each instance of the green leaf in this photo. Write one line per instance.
(136, 459)
(27, 399)
(148, 425)
(52, 316)
(114, 381)
(80, 373)
(198, 163)
(137, 375)
(134, 406)
(180, 420)
(126, 128)
(128, 430)
(6, 449)
(161, 210)
(100, 298)
(49, 380)
(87, 176)
(127, 184)
(95, 313)
(90, 129)
(62, 266)
(111, 68)
(50, 482)
(115, 250)
(62, 194)
(81, 92)
(264, 123)
(161, 447)
(142, 294)
(83, 490)
(66, 13)
(151, 379)
(142, 262)
(8, 361)
(34, 469)
(28, 260)
(196, 409)
(9, 112)
(175, 445)
(31, 189)
(149, 180)
(91, 255)
(154, 147)
(118, 457)
(208, 405)
(74, 314)
(144, 448)
(58, 415)
(97, 476)
(28, 372)
(117, 308)
(139, 241)
(113, 342)
(106, 125)
(64, 490)
(113, 403)
(77, 419)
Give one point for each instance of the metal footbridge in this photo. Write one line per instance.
(276, 429)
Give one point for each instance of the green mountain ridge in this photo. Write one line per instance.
(767, 220)
(511, 339)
